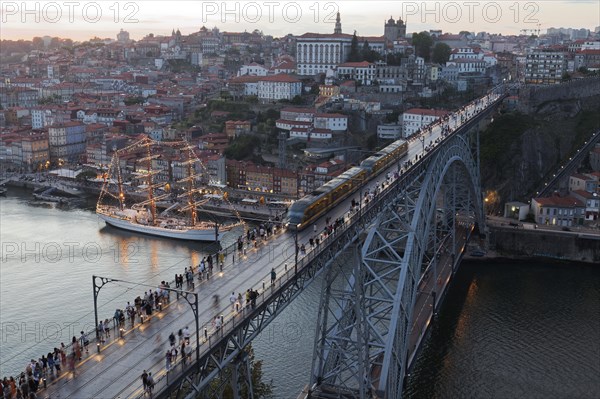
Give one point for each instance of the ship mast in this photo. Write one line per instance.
(120, 183)
(191, 196)
(149, 158)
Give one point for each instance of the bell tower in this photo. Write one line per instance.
(338, 25)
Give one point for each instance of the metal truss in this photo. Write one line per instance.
(361, 347)
(396, 224)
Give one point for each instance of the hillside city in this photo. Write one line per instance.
(270, 117)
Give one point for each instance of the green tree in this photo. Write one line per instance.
(241, 147)
(86, 175)
(354, 55)
(262, 390)
(422, 42)
(441, 53)
(298, 100)
(133, 100)
(565, 77)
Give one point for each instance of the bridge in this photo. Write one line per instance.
(386, 266)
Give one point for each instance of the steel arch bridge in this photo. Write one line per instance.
(363, 342)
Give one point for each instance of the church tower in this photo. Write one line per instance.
(401, 28)
(338, 25)
(390, 30)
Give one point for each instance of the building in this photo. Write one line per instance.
(363, 72)
(592, 204)
(234, 129)
(28, 150)
(318, 52)
(278, 87)
(583, 181)
(261, 179)
(18, 97)
(558, 211)
(123, 37)
(242, 86)
(334, 122)
(394, 31)
(389, 131)
(545, 67)
(465, 65)
(314, 176)
(67, 141)
(516, 210)
(595, 158)
(415, 119)
(253, 69)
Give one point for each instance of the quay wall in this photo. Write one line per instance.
(511, 242)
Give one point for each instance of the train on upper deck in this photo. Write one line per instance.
(311, 207)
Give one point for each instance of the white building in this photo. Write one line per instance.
(415, 119)
(469, 53)
(40, 118)
(278, 87)
(318, 52)
(253, 69)
(335, 122)
(466, 65)
(389, 131)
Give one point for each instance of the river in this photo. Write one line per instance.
(512, 329)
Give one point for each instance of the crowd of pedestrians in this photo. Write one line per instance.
(47, 368)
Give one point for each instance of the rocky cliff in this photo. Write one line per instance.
(518, 150)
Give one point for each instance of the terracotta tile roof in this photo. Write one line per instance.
(562, 202)
(282, 77)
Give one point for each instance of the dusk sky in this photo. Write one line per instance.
(81, 20)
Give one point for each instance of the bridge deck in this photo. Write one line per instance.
(115, 371)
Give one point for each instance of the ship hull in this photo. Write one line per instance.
(206, 235)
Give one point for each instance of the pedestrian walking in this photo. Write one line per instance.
(174, 353)
(315, 228)
(76, 348)
(144, 377)
(150, 382)
(100, 331)
(85, 342)
(168, 360)
(186, 335)
(273, 276)
(232, 299)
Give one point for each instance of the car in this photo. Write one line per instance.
(566, 229)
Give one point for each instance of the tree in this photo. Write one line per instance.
(241, 147)
(261, 390)
(38, 43)
(354, 55)
(565, 77)
(297, 100)
(133, 100)
(422, 43)
(441, 53)
(86, 175)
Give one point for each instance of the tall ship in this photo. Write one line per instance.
(136, 208)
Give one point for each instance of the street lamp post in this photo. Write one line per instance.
(185, 294)
(296, 245)
(422, 140)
